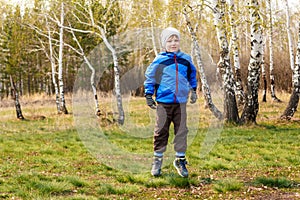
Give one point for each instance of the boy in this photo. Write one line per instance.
(170, 77)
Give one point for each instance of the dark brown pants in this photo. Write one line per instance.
(165, 114)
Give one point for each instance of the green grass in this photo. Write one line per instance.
(227, 185)
(274, 182)
(50, 159)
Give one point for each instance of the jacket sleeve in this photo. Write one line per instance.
(193, 75)
(150, 81)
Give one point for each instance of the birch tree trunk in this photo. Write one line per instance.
(63, 108)
(294, 99)
(92, 79)
(205, 86)
(121, 118)
(272, 77)
(53, 70)
(290, 40)
(16, 99)
(264, 75)
(230, 106)
(102, 34)
(236, 59)
(251, 107)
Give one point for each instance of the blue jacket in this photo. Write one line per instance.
(170, 77)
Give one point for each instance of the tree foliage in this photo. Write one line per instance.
(23, 48)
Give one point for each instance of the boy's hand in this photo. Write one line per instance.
(150, 102)
(193, 97)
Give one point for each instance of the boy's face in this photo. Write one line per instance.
(173, 44)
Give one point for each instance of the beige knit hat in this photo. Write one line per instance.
(166, 33)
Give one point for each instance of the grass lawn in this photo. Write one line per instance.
(56, 158)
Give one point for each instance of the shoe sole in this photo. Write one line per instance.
(156, 175)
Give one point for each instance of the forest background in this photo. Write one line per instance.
(43, 47)
(25, 49)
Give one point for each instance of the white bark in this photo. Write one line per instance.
(60, 62)
(252, 105)
(121, 118)
(296, 71)
(205, 86)
(51, 56)
(272, 77)
(92, 79)
(294, 98)
(263, 71)
(230, 106)
(296, 74)
(236, 59)
(53, 68)
(102, 34)
(290, 40)
(234, 36)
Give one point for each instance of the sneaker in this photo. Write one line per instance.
(156, 166)
(179, 164)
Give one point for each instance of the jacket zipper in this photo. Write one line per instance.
(176, 90)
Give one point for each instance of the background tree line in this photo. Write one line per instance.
(25, 33)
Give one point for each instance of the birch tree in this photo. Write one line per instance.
(236, 58)
(15, 95)
(205, 87)
(52, 58)
(251, 107)
(63, 108)
(272, 77)
(289, 34)
(294, 98)
(53, 65)
(230, 106)
(92, 79)
(121, 117)
(12, 50)
(263, 73)
(102, 34)
(99, 27)
(48, 47)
